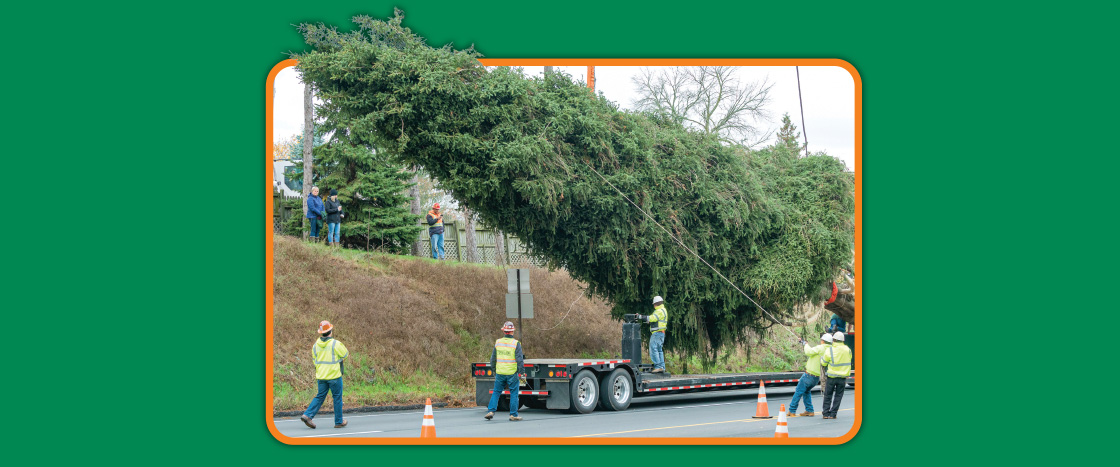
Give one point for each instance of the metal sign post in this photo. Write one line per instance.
(519, 302)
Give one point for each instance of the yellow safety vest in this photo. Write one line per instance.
(839, 361)
(506, 349)
(659, 320)
(813, 365)
(327, 355)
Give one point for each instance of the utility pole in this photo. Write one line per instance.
(591, 78)
(308, 121)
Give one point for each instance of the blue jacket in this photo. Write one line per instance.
(837, 324)
(315, 207)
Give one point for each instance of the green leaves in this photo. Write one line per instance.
(517, 150)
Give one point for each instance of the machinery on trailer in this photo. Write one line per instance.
(581, 386)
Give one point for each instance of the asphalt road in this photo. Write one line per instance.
(720, 414)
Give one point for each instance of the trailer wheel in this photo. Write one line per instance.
(616, 391)
(584, 392)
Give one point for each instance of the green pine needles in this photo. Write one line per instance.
(514, 149)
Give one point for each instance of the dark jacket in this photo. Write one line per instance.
(314, 207)
(520, 359)
(334, 211)
(431, 220)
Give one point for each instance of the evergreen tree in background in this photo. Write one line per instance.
(525, 154)
(371, 187)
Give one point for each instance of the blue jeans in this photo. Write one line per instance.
(332, 231)
(501, 383)
(437, 246)
(335, 386)
(315, 225)
(656, 341)
(804, 390)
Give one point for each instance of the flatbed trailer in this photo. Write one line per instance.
(583, 385)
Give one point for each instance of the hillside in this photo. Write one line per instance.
(418, 323)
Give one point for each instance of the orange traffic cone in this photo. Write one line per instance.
(428, 428)
(761, 410)
(781, 431)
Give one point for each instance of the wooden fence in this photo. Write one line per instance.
(455, 245)
(454, 237)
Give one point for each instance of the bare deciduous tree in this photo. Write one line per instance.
(710, 99)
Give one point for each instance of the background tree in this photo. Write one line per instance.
(709, 99)
(527, 155)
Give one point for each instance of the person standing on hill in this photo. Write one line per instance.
(328, 354)
(315, 213)
(810, 378)
(658, 324)
(838, 357)
(508, 362)
(334, 217)
(435, 231)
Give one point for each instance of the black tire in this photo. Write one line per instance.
(503, 403)
(616, 391)
(584, 391)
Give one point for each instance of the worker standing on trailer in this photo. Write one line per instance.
(508, 362)
(658, 324)
(810, 378)
(327, 353)
(838, 357)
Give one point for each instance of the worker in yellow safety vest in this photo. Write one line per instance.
(327, 353)
(508, 363)
(658, 324)
(810, 378)
(838, 358)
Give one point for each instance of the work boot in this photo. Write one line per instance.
(488, 415)
(792, 414)
(808, 414)
(658, 370)
(340, 425)
(514, 419)
(307, 421)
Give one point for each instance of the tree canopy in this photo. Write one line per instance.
(519, 151)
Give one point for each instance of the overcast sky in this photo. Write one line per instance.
(828, 95)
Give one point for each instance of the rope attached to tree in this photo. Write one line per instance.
(674, 237)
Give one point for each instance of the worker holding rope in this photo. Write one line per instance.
(658, 324)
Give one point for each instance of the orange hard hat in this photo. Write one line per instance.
(325, 327)
(508, 327)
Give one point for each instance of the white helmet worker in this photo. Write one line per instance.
(838, 337)
(658, 299)
(827, 338)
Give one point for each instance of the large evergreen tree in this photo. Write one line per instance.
(523, 153)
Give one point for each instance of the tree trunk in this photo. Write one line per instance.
(471, 241)
(499, 248)
(308, 131)
(414, 194)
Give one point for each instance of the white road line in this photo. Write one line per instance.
(339, 434)
(277, 420)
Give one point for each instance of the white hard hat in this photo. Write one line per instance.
(658, 299)
(827, 338)
(838, 337)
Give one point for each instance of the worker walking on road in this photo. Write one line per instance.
(508, 363)
(658, 324)
(838, 358)
(810, 378)
(327, 353)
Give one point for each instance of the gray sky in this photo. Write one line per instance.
(828, 93)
